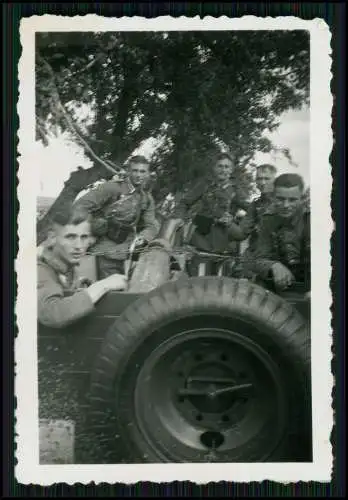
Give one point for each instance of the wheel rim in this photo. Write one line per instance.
(210, 395)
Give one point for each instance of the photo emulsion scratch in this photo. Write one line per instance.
(174, 260)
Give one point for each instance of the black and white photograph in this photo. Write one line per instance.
(174, 250)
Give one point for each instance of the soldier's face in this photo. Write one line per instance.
(70, 242)
(264, 181)
(223, 170)
(139, 173)
(287, 200)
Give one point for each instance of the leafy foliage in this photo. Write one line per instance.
(194, 92)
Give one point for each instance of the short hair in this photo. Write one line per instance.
(289, 181)
(139, 159)
(223, 156)
(70, 215)
(267, 166)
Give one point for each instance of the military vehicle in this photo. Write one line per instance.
(182, 368)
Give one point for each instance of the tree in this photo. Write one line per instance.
(195, 92)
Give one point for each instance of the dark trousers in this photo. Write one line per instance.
(211, 269)
(107, 267)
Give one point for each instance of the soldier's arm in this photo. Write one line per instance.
(151, 225)
(55, 310)
(242, 204)
(240, 232)
(189, 198)
(264, 256)
(98, 197)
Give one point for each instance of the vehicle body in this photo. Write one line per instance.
(157, 367)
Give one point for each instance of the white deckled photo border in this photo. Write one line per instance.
(28, 469)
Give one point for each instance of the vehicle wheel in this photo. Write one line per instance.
(205, 369)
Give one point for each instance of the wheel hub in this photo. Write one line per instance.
(213, 395)
(204, 396)
(212, 390)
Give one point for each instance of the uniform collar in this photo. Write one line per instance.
(55, 262)
(132, 189)
(226, 185)
(130, 186)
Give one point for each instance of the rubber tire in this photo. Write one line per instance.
(280, 328)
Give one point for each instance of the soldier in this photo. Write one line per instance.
(212, 204)
(120, 208)
(249, 226)
(63, 295)
(282, 252)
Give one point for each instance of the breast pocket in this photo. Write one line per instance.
(124, 210)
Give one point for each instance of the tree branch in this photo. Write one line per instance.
(100, 56)
(71, 126)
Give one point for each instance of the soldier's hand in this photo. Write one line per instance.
(98, 289)
(139, 241)
(115, 282)
(226, 219)
(282, 276)
(240, 214)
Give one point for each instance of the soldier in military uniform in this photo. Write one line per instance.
(119, 209)
(212, 204)
(282, 253)
(249, 226)
(64, 296)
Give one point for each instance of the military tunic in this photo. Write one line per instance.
(55, 279)
(250, 225)
(118, 209)
(206, 203)
(285, 241)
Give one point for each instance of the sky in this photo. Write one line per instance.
(61, 157)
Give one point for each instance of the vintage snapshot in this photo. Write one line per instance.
(174, 263)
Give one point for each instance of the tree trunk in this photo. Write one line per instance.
(77, 181)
